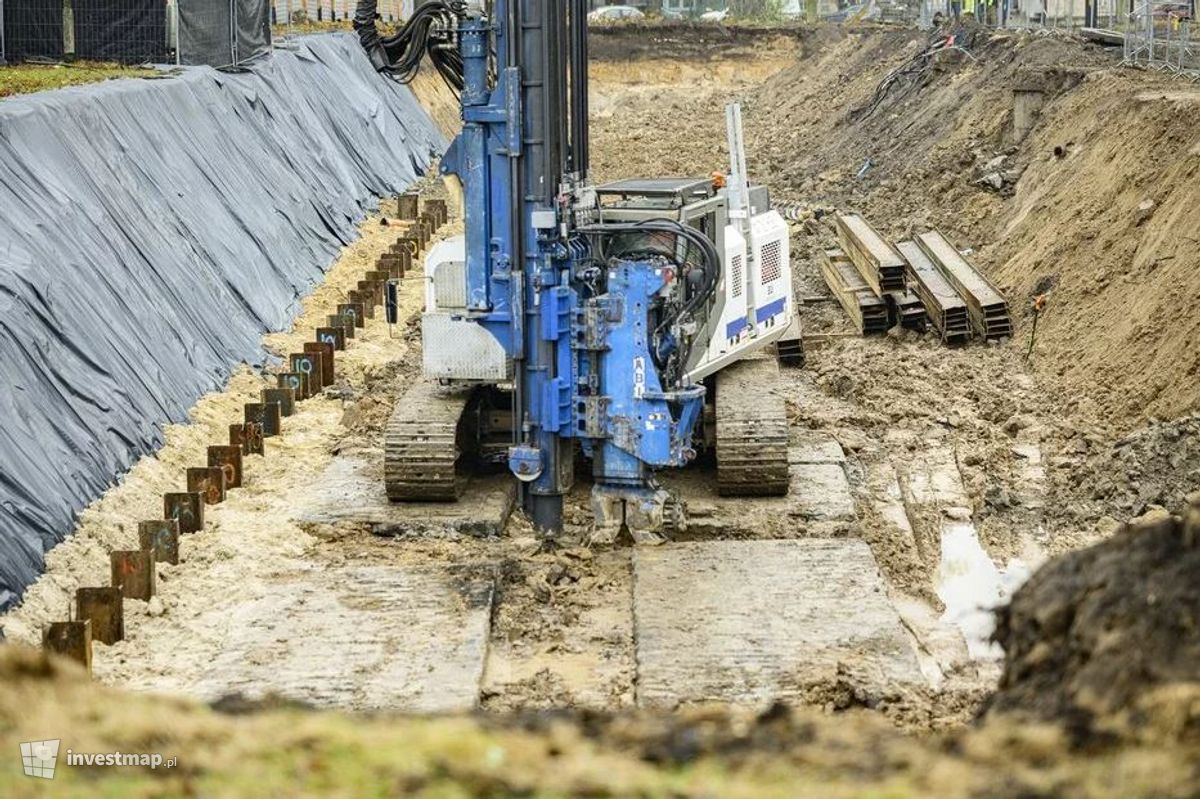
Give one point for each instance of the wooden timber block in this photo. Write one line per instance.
(187, 508)
(325, 350)
(162, 538)
(229, 461)
(354, 310)
(408, 206)
(296, 381)
(71, 639)
(265, 416)
(248, 437)
(345, 322)
(333, 335)
(308, 364)
(133, 573)
(104, 608)
(208, 481)
(285, 398)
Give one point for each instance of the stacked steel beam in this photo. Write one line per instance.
(986, 306)
(945, 307)
(869, 312)
(882, 272)
(876, 260)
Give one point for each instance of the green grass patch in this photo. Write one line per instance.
(27, 78)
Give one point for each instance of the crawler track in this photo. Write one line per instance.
(752, 431)
(423, 443)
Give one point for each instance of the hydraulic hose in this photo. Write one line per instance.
(709, 262)
(430, 31)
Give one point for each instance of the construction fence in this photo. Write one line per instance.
(1065, 14)
(1156, 34)
(1163, 36)
(214, 32)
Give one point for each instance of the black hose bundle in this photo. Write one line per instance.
(430, 31)
(661, 238)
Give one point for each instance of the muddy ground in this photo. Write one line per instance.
(963, 470)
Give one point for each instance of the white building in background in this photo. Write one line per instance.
(389, 10)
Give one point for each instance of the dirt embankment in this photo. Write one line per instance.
(281, 748)
(1098, 204)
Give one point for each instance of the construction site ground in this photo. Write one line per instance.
(927, 483)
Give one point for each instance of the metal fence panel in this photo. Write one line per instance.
(252, 29)
(131, 31)
(34, 29)
(205, 32)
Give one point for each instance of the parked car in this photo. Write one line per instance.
(608, 14)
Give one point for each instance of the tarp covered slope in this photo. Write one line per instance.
(151, 231)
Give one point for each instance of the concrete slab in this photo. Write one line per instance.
(366, 638)
(821, 492)
(751, 622)
(351, 490)
(888, 503)
(812, 446)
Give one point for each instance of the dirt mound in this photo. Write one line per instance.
(866, 123)
(1152, 468)
(1106, 215)
(1107, 638)
(703, 752)
(623, 43)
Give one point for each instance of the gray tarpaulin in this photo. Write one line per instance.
(223, 32)
(151, 231)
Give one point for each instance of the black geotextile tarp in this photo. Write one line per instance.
(151, 231)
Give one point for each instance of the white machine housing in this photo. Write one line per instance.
(454, 347)
(756, 287)
(753, 306)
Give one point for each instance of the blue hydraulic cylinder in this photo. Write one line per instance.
(647, 424)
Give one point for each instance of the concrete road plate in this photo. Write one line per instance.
(351, 490)
(364, 638)
(751, 622)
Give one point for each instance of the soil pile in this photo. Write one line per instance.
(1151, 468)
(866, 121)
(1107, 638)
